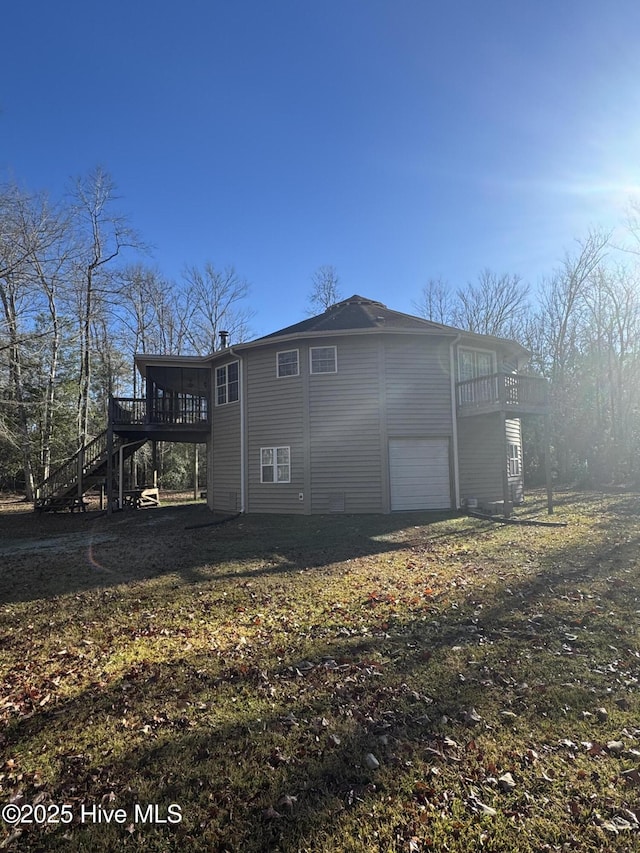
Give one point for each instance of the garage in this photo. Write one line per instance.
(419, 473)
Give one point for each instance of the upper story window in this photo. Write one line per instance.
(324, 360)
(227, 384)
(473, 363)
(287, 363)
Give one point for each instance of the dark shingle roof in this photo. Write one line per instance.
(358, 312)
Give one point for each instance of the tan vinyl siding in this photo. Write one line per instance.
(223, 488)
(418, 389)
(481, 457)
(344, 429)
(275, 418)
(514, 436)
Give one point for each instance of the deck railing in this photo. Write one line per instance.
(66, 475)
(169, 411)
(503, 390)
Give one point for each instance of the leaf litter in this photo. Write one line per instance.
(425, 690)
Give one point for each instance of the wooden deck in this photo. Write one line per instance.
(183, 418)
(511, 393)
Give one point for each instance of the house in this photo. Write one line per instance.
(360, 409)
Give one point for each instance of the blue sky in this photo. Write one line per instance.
(397, 140)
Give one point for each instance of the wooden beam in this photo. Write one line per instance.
(547, 463)
(110, 459)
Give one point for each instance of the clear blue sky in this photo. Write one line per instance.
(395, 139)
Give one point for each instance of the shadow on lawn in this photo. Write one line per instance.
(196, 765)
(92, 554)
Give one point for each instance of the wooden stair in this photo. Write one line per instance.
(64, 488)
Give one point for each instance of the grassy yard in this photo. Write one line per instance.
(407, 683)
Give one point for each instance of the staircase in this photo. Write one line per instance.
(63, 489)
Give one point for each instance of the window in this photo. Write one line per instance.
(514, 460)
(227, 384)
(287, 363)
(275, 464)
(473, 363)
(324, 360)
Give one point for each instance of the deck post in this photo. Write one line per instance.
(110, 458)
(195, 472)
(121, 476)
(154, 463)
(547, 463)
(80, 471)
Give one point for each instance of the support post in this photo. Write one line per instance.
(154, 463)
(121, 476)
(80, 473)
(110, 459)
(547, 463)
(195, 472)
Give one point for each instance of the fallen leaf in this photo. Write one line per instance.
(271, 813)
(371, 761)
(506, 783)
(287, 801)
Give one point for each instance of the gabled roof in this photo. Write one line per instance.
(358, 312)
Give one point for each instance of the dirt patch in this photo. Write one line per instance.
(63, 542)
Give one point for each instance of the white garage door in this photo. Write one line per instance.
(419, 473)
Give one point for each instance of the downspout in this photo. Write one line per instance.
(454, 420)
(243, 422)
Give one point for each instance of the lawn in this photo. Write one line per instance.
(409, 682)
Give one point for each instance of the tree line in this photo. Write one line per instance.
(79, 299)
(582, 328)
(77, 302)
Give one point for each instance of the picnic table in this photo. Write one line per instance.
(58, 503)
(141, 497)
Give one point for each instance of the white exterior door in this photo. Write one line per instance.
(419, 473)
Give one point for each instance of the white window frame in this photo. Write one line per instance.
(275, 465)
(287, 352)
(226, 384)
(474, 351)
(515, 463)
(335, 360)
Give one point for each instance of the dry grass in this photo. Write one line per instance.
(250, 672)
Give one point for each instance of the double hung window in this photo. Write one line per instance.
(275, 464)
(287, 363)
(514, 460)
(324, 360)
(227, 384)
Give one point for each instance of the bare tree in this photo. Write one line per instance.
(325, 290)
(560, 319)
(104, 234)
(436, 302)
(216, 303)
(147, 311)
(32, 255)
(50, 263)
(495, 305)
